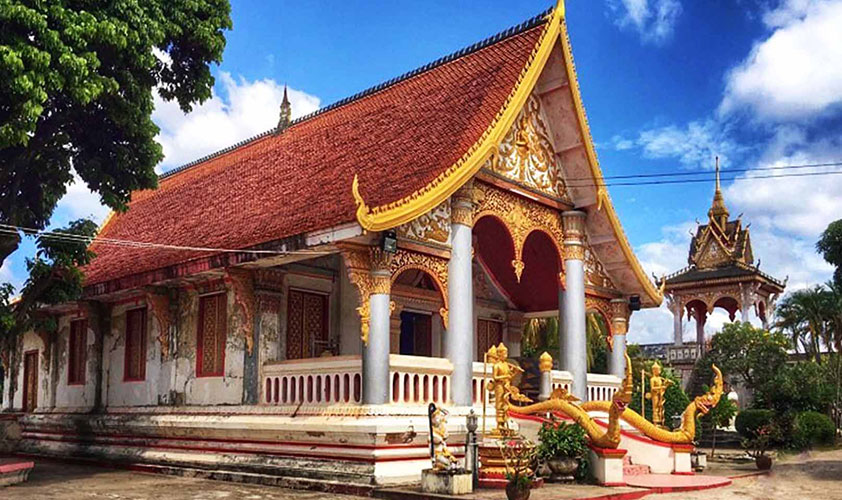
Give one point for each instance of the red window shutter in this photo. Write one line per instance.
(76, 352)
(135, 356)
(307, 324)
(211, 337)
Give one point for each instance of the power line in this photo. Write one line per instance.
(707, 172)
(77, 238)
(694, 181)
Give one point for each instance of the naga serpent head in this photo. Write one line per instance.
(706, 402)
(623, 396)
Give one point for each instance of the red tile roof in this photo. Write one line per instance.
(398, 137)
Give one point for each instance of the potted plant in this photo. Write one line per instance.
(518, 454)
(563, 447)
(757, 445)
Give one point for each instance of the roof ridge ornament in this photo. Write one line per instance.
(286, 114)
(718, 212)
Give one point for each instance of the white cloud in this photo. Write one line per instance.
(654, 20)
(796, 71)
(78, 202)
(249, 108)
(7, 275)
(695, 145)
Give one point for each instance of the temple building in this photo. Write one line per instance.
(721, 272)
(304, 294)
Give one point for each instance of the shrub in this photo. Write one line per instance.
(812, 428)
(750, 421)
(561, 440)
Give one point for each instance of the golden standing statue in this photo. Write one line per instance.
(657, 388)
(501, 386)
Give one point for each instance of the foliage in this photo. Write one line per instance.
(542, 334)
(797, 387)
(749, 421)
(76, 87)
(559, 439)
(54, 278)
(813, 428)
(761, 440)
(720, 416)
(741, 350)
(830, 246)
(807, 316)
(518, 454)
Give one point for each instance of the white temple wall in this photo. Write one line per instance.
(76, 397)
(30, 341)
(118, 391)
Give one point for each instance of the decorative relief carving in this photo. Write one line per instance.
(600, 305)
(432, 227)
(526, 155)
(714, 255)
(573, 251)
(369, 269)
(159, 307)
(595, 274)
(436, 267)
(242, 283)
(520, 216)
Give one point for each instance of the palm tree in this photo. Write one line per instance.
(806, 316)
(541, 334)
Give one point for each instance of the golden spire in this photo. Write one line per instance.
(718, 212)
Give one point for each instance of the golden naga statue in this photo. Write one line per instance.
(657, 389)
(563, 402)
(684, 434)
(501, 386)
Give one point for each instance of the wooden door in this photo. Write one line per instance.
(489, 333)
(307, 324)
(30, 381)
(416, 334)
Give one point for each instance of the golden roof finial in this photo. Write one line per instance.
(718, 212)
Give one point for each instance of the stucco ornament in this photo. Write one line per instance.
(369, 269)
(526, 155)
(432, 227)
(242, 282)
(521, 217)
(159, 307)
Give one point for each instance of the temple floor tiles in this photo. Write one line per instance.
(811, 475)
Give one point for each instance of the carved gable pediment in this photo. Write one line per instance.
(712, 254)
(526, 155)
(432, 227)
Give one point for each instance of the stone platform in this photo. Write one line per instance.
(14, 470)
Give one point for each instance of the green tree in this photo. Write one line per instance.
(805, 315)
(741, 350)
(830, 246)
(798, 387)
(55, 277)
(76, 83)
(720, 416)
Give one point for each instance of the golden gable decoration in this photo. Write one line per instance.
(526, 155)
(432, 227)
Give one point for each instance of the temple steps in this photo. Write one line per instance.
(630, 469)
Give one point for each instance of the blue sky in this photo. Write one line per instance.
(667, 84)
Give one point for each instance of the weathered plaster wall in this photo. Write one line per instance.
(75, 397)
(31, 341)
(117, 391)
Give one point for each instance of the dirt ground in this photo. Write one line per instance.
(813, 476)
(60, 481)
(816, 476)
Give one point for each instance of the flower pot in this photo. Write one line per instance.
(564, 469)
(763, 462)
(515, 491)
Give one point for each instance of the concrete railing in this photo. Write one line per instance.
(413, 380)
(419, 379)
(602, 387)
(314, 381)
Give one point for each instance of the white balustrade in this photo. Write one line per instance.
(602, 387)
(313, 381)
(419, 379)
(337, 380)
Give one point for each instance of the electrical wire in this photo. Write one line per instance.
(77, 238)
(683, 173)
(696, 181)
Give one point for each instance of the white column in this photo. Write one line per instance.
(459, 339)
(375, 358)
(619, 328)
(701, 318)
(574, 341)
(545, 365)
(674, 304)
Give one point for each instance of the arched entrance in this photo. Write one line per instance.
(418, 320)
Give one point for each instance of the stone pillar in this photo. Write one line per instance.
(459, 339)
(376, 350)
(701, 319)
(574, 341)
(545, 365)
(619, 328)
(674, 304)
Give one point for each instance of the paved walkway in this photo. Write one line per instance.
(61, 481)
